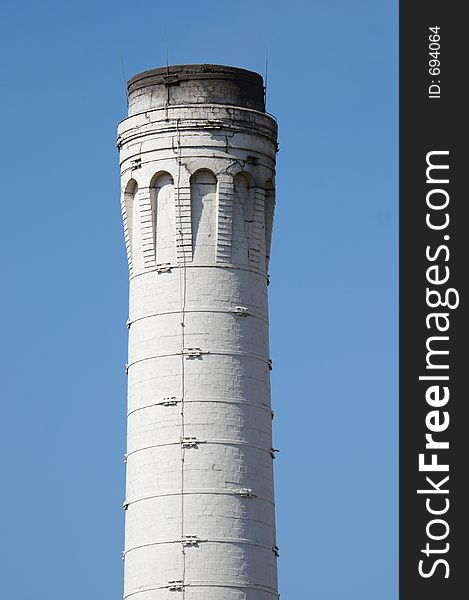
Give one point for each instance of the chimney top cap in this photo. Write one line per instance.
(204, 84)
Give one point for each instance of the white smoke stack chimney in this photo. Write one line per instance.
(197, 156)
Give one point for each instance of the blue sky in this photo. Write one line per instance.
(332, 84)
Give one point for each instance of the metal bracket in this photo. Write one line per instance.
(193, 352)
(126, 367)
(242, 311)
(252, 160)
(171, 79)
(191, 540)
(125, 458)
(128, 323)
(245, 493)
(273, 451)
(136, 163)
(275, 550)
(190, 442)
(125, 504)
(176, 585)
(163, 268)
(269, 362)
(168, 401)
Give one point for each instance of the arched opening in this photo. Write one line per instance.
(269, 207)
(243, 215)
(203, 215)
(130, 192)
(164, 217)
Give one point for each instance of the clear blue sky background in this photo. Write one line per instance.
(333, 86)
